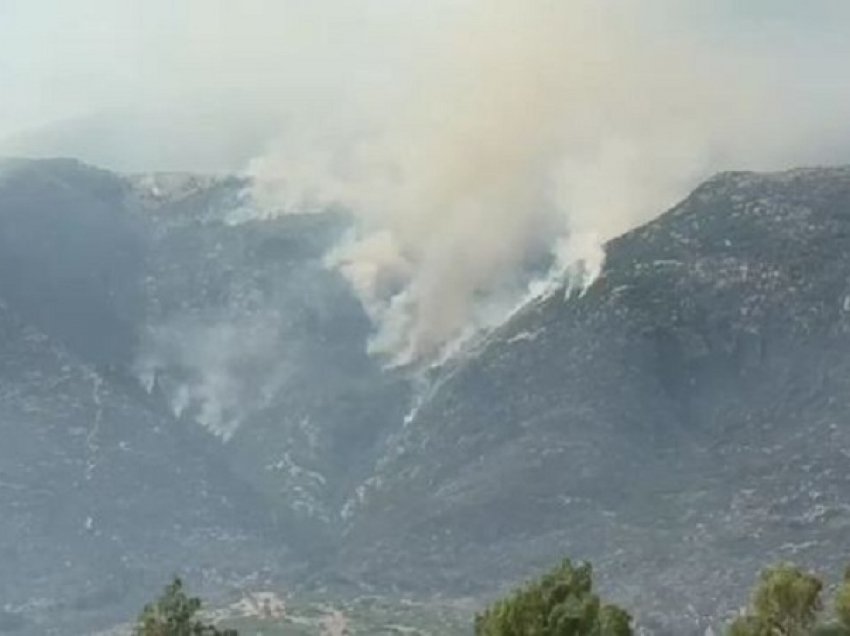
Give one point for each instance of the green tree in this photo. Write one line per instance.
(842, 601)
(786, 602)
(832, 629)
(173, 614)
(561, 603)
(841, 625)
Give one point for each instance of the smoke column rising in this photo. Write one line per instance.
(472, 139)
(524, 128)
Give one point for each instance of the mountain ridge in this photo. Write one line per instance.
(580, 420)
(682, 420)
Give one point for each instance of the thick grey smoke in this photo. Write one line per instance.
(477, 142)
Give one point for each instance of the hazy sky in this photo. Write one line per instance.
(218, 77)
(212, 71)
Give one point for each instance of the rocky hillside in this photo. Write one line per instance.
(182, 387)
(682, 423)
(185, 386)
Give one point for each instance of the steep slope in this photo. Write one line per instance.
(183, 386)
(103, 494)
(249, 334)
(682, 423)
(71, 256)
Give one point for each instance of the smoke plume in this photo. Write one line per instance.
(525, 131)
(218, 372)
(483, 146)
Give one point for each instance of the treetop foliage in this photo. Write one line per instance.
(787, 602)
(173, 614)
(561, 603)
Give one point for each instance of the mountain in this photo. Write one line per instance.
(181, 388)
(184, 386)
(681, 424)
(101, 492)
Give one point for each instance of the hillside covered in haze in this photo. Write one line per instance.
(185, 385)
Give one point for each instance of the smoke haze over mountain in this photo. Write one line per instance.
(477, 143)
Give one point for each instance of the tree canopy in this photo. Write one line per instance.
(173, 614)
(561, 603)
(787, 602)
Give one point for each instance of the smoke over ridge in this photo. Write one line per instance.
(527, 129)
(483, 146)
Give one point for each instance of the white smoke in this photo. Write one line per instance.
(527, 127)
(472, 139)
(218, 371)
